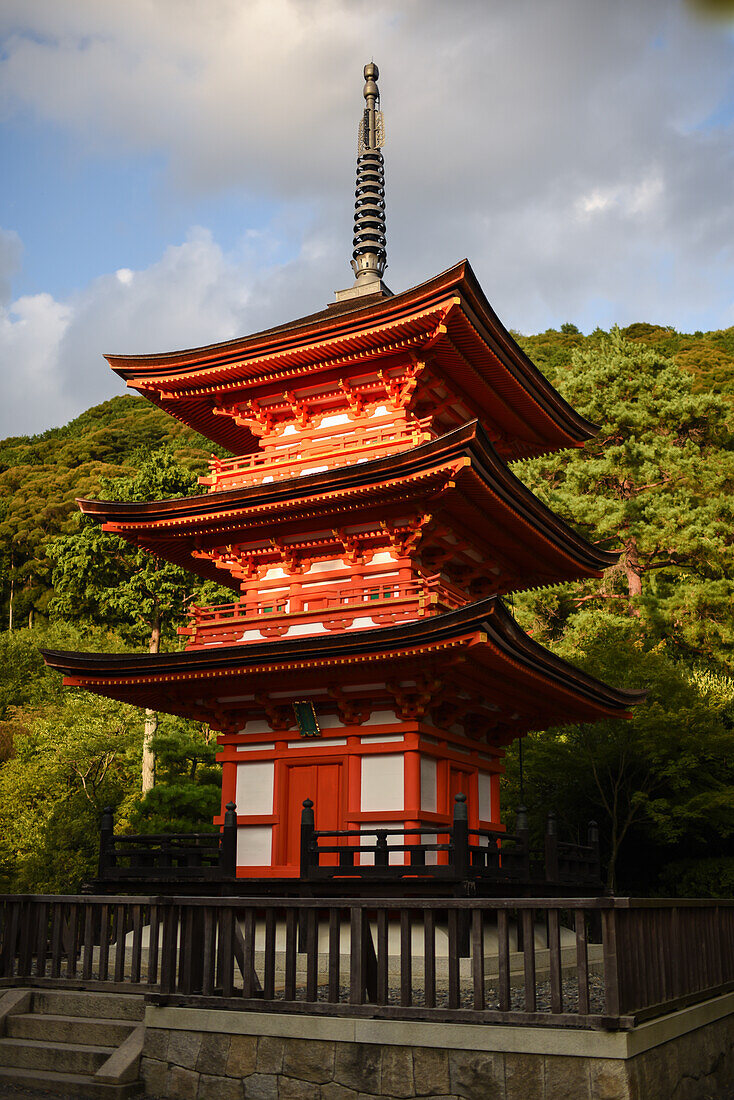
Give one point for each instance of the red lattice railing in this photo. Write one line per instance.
(384, 602)
(311, 455)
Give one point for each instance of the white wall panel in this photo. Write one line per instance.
(382, 783)
(485, 796)
(429, 793)
(254, 845)
(254, 793)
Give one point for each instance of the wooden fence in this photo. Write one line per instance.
(600, 962)
(452, 852)
(178, 857)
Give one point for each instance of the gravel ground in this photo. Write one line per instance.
(491, 993)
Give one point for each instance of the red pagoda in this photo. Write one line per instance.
(367, 525)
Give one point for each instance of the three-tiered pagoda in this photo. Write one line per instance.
(367, 525)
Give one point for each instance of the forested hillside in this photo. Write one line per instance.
(656, 484)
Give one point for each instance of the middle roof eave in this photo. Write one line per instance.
(160, 521)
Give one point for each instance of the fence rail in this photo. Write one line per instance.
(200, 857)
(453, 851)
(600, 962)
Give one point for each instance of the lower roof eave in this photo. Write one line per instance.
(482, 630)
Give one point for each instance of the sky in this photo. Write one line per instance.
(178, 172)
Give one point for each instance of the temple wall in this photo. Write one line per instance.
(382, 773)
(199, 1054)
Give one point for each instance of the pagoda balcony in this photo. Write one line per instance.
(314, 455)
(342, 608)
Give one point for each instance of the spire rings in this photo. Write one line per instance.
(370, 241)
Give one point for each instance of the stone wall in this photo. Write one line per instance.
(658, 1061)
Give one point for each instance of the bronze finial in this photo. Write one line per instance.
(370, 253)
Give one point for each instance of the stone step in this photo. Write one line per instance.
(107, 1006)
(68, 1029)
(58, 1057)
(66, 1084)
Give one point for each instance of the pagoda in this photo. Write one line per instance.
(368, 525)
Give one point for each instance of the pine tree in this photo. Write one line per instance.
(99, 575)
(657, 484)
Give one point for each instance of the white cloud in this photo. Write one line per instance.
(631, 199)
(31, 330)
(194, 294)
(564, 147)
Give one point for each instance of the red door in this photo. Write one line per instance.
(322, 783)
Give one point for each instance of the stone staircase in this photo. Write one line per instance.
(72, 1043)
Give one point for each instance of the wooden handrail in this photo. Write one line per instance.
(653, 954)
(147, 855)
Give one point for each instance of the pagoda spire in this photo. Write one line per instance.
(369, 255)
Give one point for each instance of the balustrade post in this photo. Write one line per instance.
(381, 852)
(460, 837)
(309, 858)
(417, 855)
(228, 849)
(492, 856)
(551, 848)
(106, 840)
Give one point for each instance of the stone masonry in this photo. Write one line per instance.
(205, 1065)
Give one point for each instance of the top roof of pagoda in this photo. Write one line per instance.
(446, 322)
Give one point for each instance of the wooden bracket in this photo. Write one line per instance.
(353, 712)
(279, 716)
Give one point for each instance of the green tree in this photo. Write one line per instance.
(188, 789)
(41, 477)
(656, 483)
(70, 759)
(99, 575)
(663, 776)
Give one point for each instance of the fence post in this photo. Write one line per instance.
(551, 848)
(228, 850)
(307, 837)
(106, 833)
(169, 945)
(460, 837)
(381, 853)
(611, 962)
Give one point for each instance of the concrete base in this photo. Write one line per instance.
(197, 1054)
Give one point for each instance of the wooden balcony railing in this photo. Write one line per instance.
(313, 455)
(385, 602)
(179, 857)
(449, 852)
(559, 962)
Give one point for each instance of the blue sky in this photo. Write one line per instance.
(177, 173)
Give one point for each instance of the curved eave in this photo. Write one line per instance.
(484, 626)
(327, 324)
(222, 363)
(169, 527)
